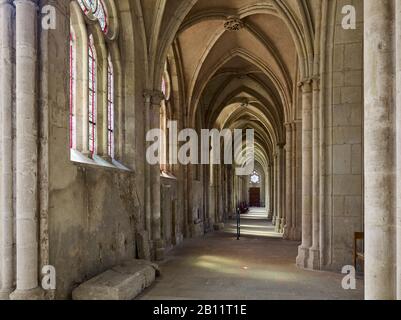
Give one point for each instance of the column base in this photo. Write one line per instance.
(33, 294)
(280, 225)
(314, 259)
(303, 257)
(287, 233)
(5, 294)
(159, 250)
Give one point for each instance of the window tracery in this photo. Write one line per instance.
(93, 122)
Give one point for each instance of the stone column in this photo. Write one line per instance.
(148, 212)
(380, 238)
(268, 193)
(297, 182)
(26, 151)
(270, 212)
(280, 184)
(282, 178)
(314, 252)
(229, 192)
(275, 191)
(294, 181)
(6, 186)
(288, 183)
(303, 250)
(398, 131)
(158, 244)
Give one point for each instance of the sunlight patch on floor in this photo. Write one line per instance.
(241, 268)
(268, 234)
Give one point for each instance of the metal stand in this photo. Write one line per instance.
(238, 224)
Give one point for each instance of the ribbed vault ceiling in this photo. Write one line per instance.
(244, 78)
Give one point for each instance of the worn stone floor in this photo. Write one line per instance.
(258, 267)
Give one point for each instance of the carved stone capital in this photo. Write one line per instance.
(316, 83)
(306, 85)
(153, 97)
(289, 126)
(34, 3)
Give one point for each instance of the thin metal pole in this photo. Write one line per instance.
(238, 224)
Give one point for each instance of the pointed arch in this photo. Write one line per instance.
(97, 91)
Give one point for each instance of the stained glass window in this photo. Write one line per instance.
(110, 108)
(92, 96)
(255, 178)
(164, 86)
(96, 12)
(166, 83)
(72, 93)
(97, 9)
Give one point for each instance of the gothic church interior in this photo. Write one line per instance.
(315, 80)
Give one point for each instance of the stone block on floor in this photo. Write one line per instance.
(123, 282)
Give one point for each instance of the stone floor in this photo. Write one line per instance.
(259, 266)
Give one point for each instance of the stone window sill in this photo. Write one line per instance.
(80, 159)
(167, 175)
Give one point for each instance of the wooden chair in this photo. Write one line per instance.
(358, 255)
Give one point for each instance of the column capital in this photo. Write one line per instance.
(316, 83)
(306, 85)
(153, 97)
(296, 125)
(289, 126)
(32, 2)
